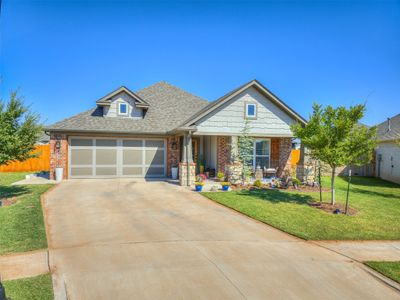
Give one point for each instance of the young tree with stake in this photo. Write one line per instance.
(335, 137)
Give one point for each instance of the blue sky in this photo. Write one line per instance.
(64, 55)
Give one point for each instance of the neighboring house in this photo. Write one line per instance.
(144, 134)
(388, 150)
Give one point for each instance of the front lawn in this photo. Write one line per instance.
(390, 269)
(33, 288)
(21, 224)
(377, 202)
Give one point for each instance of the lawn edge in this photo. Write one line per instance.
(45, 219)
(380, 276)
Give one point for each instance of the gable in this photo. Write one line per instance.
(112, 109)
(229, 118)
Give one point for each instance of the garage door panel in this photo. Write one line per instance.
(132, 157)
(97, 157)
(106, 143)
(81, 172)
(106, 156)
(133, 171)
(155, 143)
(81, 157)
(81, 142)
(154, 157)
(106, 171)
(132, 143)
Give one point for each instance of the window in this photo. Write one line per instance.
(122, 109)
(261, 154)
(251, 110)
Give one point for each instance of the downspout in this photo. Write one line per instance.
(188, 158)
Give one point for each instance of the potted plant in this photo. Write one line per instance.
(199, 186)
(225, 185)
(221, 176)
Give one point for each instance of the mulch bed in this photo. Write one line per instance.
(8, 201)
(300, 189)
(329, 208)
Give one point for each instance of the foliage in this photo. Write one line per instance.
(220, 175)
(201, 177)
(21, 224)
(19, 130)
(296, 181)
(377, 202)
(335, 137)
(245, 150)
(32, 288)
(225, 183)
(257, 183)
(199, 183)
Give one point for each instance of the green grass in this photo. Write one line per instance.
(377, 202)
(21, 224)
(33, 288)
(390, 269)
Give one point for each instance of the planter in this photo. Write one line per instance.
(199, 188)
(59, 174)
(174, 172)
(225, 187)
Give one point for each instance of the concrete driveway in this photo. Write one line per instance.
(130, 239)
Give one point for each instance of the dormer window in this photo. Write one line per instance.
(123, 109)
(251, 110)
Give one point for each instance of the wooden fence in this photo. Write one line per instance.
(40, 163)
(295, 157)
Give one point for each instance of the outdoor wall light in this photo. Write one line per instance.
(58, 145)
(174, 145)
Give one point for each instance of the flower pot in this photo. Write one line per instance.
(199, 188)
(225, 187)
(174, 172)
(59, 174)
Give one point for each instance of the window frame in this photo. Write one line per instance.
(246, 115)
(255, 155)
(119, 109)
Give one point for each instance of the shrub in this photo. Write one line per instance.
(220, 175)
(296, 181)
(257, 183)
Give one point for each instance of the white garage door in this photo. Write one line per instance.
(104, 157)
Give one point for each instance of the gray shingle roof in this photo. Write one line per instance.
(169, 106)
(394, 133)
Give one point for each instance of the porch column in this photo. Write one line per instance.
(234, 149)
(187, 169)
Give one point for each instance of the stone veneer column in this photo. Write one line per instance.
(183, 173)
(285, 155)
(223, 152)
(58, 156)
(172, 155)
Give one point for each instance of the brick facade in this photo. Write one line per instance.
(58, 155)
(173, 155)
(223, 152)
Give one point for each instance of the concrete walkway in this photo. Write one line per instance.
(365, 250)
(21, 265)
(129, 239)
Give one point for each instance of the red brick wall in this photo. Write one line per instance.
(173, 156)
(223, 152)
(58, 157)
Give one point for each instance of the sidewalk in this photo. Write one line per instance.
(365, 250)
(21, 265)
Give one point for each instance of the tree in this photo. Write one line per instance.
(19, 130)
(335, 137)
(245, 150)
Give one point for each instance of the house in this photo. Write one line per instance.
(145, 133)
(387, 157)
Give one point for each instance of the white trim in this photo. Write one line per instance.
(247, 104)
(119, 108)
(254, 152)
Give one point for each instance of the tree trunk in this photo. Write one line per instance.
(333, 186)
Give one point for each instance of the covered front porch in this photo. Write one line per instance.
(213, 154)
